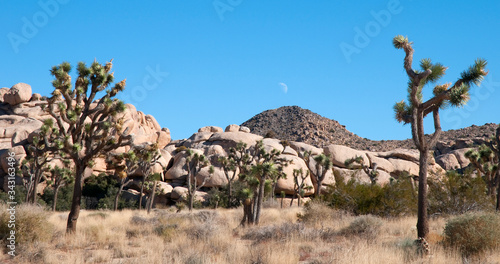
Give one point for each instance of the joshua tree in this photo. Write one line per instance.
(486, 160)
(58, 178)
(39, 155)
(323, 165)
(154, 178)
(262, 171)
(85, 126)
(146, 156)
(139, 157)
(230, 169)
(414, 113)
(372, 173)
(242, 157)
(257, 167)
(299, 180)
(195, 162)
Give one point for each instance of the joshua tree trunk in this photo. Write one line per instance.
(229, 193)
(247, 212)
(29, 186)
(142, 190)
(35, 186)
(56, 191)
(423, 220)
(319, 180)
(152, 198)
(260, 199)
(117, 197)
(77, 199)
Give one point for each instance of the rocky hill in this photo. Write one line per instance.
(293, 123)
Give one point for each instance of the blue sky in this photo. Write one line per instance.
(197, 63)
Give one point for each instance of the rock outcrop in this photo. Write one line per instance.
(19, 93)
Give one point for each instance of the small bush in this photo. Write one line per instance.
(166, 231)
(410, 249)
(457, 194)
(317, 213)
(31, 226)
(473, 234)
(283, 232)
(366, 226)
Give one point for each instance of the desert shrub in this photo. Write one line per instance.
(203, 224)
(317, 212)
(32, 228)
(396, 198)
(365, 226)
(218, 196)
(473, 233)
(165, 231)
(458, 193)
(283, 232)
(410, 250)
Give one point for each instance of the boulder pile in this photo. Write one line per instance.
(21, 114)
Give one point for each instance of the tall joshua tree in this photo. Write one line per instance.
(194, 163)
(86, 126)
(414, 113)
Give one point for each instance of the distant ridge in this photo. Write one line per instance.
(294, 123)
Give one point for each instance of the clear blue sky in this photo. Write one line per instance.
(221, 62)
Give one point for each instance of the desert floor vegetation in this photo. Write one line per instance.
(312, 234)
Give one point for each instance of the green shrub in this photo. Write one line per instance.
(396, 198)
(64, 197)
(366, 226)
(473, 234)
(458, 194)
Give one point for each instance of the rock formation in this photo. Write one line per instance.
(21, 115)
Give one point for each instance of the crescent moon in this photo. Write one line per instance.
(284, 87)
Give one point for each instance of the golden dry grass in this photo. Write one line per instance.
(208, 236)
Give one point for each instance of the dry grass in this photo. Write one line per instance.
(208, 236)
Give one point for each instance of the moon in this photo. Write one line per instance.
(284, 87)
